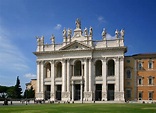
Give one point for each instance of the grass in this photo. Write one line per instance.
(79, 108)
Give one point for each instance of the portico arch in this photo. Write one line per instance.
(58, 69)
(98, 68)
(77, 68)
(47, 67)
(110, 67)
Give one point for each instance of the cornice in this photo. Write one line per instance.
(83, 50)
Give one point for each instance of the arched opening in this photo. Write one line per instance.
(48, 70)
(111, 68)
(98, 68)
(77, 68)
(59, 69)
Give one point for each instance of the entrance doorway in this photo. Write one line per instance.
(47, 92)
(77, 92)
(98, 92)
(110, 92)
(58, 92)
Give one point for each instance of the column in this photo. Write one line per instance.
(90, 75)
(72, 91)
(85, 76)
(63, 75)
(68, 75)
(38, 80)
(42, 80)
(91, 83)
(52, 98)
(81, 91)
(122, 78)
(64, 81)
(104, 76)
(73, 69)
(68, 79)
(117, 80)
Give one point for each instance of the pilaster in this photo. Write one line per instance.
(64, 80)
(117, 79)
(91, 83)
(104, 76)
(68, 78)
(52, 93)
(121, 78)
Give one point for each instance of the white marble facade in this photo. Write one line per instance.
(81, 68)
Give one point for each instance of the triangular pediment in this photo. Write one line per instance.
(76, 46)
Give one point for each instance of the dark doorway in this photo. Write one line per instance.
(77, 92)
(98, 92)
(47, 92)
(110, 92)
(58, 92)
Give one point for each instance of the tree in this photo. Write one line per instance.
(18, 89)
(29, 93)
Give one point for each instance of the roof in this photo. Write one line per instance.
(145, 55)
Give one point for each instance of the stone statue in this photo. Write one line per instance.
(42, 40)
(90, 31)
(38, 40)
(64, 33)
(85, 31)
(52, 39)
(116, 33)
(122, 32)
(78, 23)
(69, 32)
(104, 33)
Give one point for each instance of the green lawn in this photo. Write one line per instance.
(79, 108)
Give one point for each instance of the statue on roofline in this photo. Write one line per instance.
(64, 33)
(85, 31)
(117, 33)
(78, 23)
(122, 32)
(91, 31)
(69, 32)
(104, 33)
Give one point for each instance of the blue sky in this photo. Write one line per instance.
(22, 20)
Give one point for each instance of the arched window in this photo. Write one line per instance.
(59, 70)
(77, 68)
(98, 68)
(111, 68)
(128, 73)
(48, 70)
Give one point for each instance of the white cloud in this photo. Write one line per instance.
(30, 75)
(11, 58)
(58, 27)
(101, 19)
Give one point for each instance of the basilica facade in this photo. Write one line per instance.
(81, 69)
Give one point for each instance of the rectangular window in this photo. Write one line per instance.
(140, 81)
(150, 64)
(140, 95)
(128, 61)
(128, 72)
(128, 93)
(150, 80)
(150, 95)
(139, 66)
